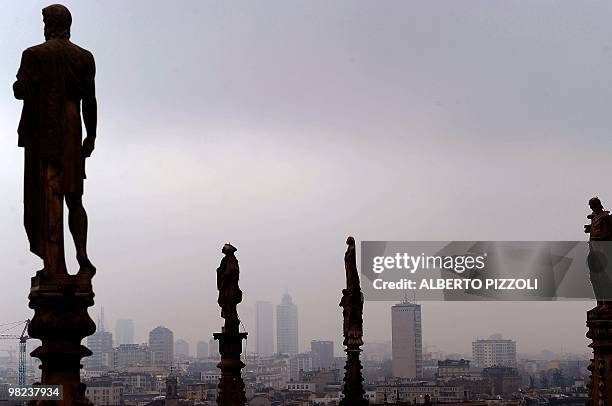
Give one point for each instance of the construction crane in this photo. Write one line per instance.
(23, 339)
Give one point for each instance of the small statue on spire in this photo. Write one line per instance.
(600, 252)
(231, 386)
(352, 312)
(352, 298)
(230, 294)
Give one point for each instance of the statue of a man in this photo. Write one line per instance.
(600, 251)
(228, 275)
(55, 81)
(352, 298)
(350, 265)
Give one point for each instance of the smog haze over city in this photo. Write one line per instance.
(283, 127)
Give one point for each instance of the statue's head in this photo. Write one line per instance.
(595, 204)
(350, 241)
(228, 249)
(57, 19)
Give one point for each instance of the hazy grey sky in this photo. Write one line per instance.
(283, 126)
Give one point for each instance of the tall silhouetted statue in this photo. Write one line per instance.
(600, 252)
(599, 319)
(231, 385)
(53, 80)
(352, 312)
(56, 82)
(230, 294)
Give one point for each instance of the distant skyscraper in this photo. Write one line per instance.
(213, 348)
(101, 345)
(287, 327)
(494, 352)
(322, 354)
(124, 332)
(264, 328)
(181, 348)
(407, 350)
(202, 349)
(161, 341)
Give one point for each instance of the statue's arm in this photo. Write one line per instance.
(90, 109)
(26, 75)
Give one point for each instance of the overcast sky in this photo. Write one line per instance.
(283, 126)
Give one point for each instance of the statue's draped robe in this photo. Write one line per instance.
(600, 256)
(52, 80)
(230, 295)
(352, 301)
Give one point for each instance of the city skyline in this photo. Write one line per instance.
(426, 348)
(305, 117)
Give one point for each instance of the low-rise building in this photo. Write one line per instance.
(420, 393)
(104, 391)
(302, 386)
(453, 368)
(132, 355)
(505, 380)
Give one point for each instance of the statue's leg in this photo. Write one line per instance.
(54, 208)
(77, 221)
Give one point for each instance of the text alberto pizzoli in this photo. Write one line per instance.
(458, 264)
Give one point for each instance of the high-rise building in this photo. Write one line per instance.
(494, 351)
(322, 354)
(101, 345)
(264, 328)
(287, 327)
(202, 349)
(124, 331)
(181, 348)
(213, 348)
(406, 340)
(161, 341)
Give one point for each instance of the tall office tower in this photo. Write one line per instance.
(202, 349)
(495, 351)
(264, 328)
(181, 348)
(124, 332)
(287, 327)
(101, 345)
(161, 341)
(322, 354)
(213, 348)
(406, 341)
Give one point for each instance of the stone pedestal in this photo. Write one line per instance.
(599, 323)
(353, 381)
(61, 321)
(231, 387)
